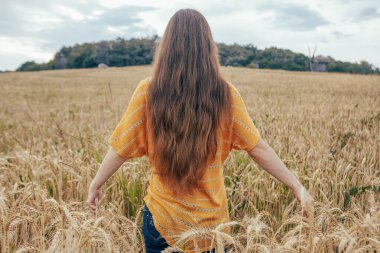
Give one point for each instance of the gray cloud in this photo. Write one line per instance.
(58, 27)
(366, 14)
(35, 29)
(342, 35)
(221, 9)
(112, 23)
(293, 16)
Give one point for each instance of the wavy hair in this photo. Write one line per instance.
(188, 99)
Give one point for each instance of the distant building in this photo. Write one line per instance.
(60, 61)
(102, 52)
(102, 66)
(320, 63)
(254, 65)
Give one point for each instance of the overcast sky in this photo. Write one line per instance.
(344, 29)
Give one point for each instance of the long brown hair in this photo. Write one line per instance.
(188, 99)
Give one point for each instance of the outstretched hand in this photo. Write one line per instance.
(94, 196)
(306, 201)
(267, 158)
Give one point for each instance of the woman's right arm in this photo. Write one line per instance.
(266, 157)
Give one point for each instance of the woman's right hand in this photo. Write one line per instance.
(305, 199)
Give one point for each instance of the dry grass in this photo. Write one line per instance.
(54, 126)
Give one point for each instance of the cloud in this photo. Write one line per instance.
(293, 16)
(110, 24)
(45, 26)
(36, 29)
(76, 22)
(366, 14)
(341, 35)
(14, 52)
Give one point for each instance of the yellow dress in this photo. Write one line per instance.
(207, 207)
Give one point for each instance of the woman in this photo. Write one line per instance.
(186, 118)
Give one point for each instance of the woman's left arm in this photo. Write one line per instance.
(110, 164)
(266, 157)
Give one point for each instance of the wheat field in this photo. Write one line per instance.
(54, 127)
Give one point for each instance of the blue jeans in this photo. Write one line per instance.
(154, 242)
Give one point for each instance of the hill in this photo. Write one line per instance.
(139, 51)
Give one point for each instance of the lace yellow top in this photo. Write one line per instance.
(207, 207)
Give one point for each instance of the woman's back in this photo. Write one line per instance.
(207, 206)
(180, 117)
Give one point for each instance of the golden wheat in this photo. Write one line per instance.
(54, 127)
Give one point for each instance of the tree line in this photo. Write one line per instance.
(139, 51)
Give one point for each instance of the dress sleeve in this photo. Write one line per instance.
(245, 135)
(129, 137)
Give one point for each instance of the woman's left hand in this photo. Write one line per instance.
(94, 196)
(305, 199)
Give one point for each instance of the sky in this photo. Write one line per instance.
(347, 30)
